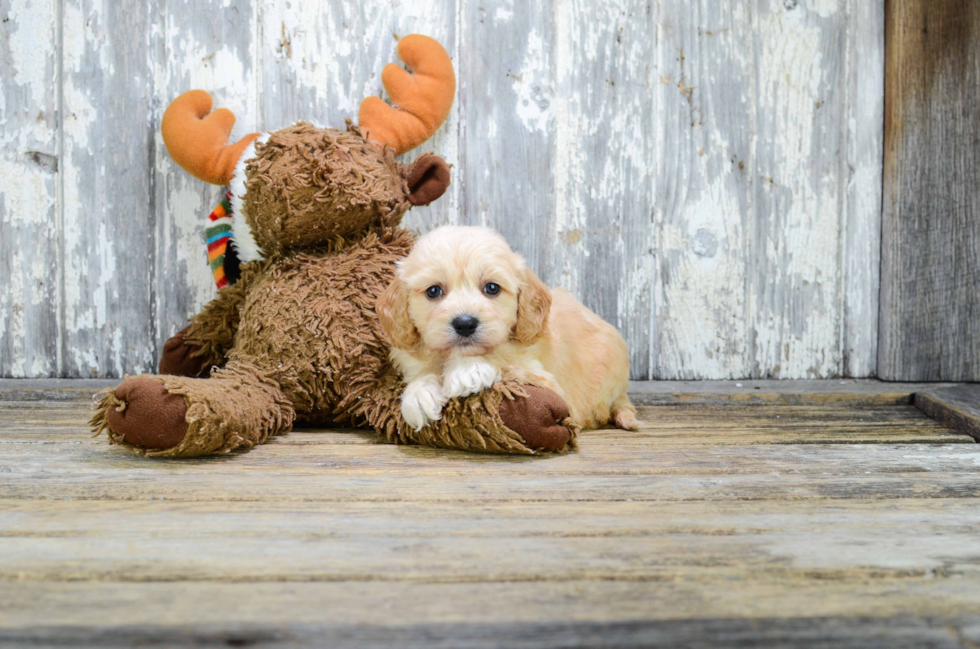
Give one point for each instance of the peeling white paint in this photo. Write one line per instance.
(676, 158)
(24, 199)
(803, 254)
(755, 160)
(569, 162)
(90, 251)
(13, 319)
(823, 8)
(32, 25)
(861, 232)
(217, 52)
(702, 302)
(182, 240)
(320, 59)
(503, 14)
(532, 84)
(28, 191)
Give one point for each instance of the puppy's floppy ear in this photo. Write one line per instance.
(533, 306)
(392, 309)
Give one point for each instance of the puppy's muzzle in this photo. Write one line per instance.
(465, 325)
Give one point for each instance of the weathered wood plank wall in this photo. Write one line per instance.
(706, 175)
(30, 219)
(930, 293)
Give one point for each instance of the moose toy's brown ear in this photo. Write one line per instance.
(428, 179)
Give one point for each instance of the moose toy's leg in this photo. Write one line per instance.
(507, 418)
(237, 407)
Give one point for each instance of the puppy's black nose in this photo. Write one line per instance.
(465, 325)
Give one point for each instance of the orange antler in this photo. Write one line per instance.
(198, 141)
(422, 97)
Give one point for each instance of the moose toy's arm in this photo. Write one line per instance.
(506, 418)
(205, 342)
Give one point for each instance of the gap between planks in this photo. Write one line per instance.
(650, 393)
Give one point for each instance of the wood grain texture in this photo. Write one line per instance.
(344, 615)
(105, 167)
(498, 542)
(691, 425)
(703, 175)
(850, 392)
(861, 221)
(602, 245)
(194, 44)
(723, 453)
(710, 526)
(957, 407)
(752, 178)
(930, 314)
(30, 183)
(507, 75)
(52, 389)
(158, 607)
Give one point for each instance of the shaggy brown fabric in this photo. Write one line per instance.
(303, 174)
(237, 408)
(298, 333)
(213, 330)
(182, 359)
(469, 424)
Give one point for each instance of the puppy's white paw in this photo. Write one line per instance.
(468, 376)
(422, 402)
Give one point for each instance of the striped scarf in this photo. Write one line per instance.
(221, 257)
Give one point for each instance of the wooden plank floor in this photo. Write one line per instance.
(821, 523)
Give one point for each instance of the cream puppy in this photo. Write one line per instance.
(464, 309)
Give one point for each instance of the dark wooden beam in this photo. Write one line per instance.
(930, 255)
(957, 407)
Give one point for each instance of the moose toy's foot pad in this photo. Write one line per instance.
(146, 415)
(537, 419)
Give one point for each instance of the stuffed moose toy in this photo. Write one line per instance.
(296, 338)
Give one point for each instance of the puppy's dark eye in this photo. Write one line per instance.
(433, 292)
(491, 289)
